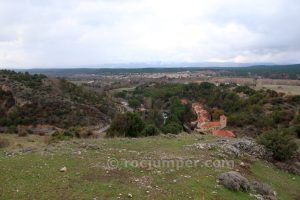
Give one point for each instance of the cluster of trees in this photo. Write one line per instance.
(263, 109)
(131, 125)
(179, 115)
(65, 105)
(79, 93)
(12, 119)
(32, 81)
(269, 71)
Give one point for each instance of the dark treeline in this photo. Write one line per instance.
(265, 71)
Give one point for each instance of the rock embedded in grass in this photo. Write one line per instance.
(130, 195)
(236, 147)
(234, 181)
(264, 189)
(64, 169)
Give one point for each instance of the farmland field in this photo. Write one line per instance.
(288, 89)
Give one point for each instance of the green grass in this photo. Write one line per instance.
(37, 175)
(286, 184)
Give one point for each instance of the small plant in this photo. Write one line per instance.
(134, 103)
(126, 125)
(281, 142)
(12, 129)
(59, 136)
(297, 130)
(22, 133)
(4, 143)
(171, 127)
(150, 130)
(72, 132)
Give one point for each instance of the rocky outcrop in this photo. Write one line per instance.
(250, 147)
(38, 129)
(234, 181)
(238, 147)
(264, 189)
(292, 166)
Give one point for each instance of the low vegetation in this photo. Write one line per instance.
(72, 132)
(129, 125)
(4, 143)
(280, 142)
(31, 81)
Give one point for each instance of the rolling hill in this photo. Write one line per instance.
(37, 99)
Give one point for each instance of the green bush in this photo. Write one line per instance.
(59, 136)
(126, 125)
(121, 94)
(172, 127)
(154, 117)
(72, 132)
(134, 103)
(12, 129)
(245, 89)
(281, 142)
(297, 130)
(150, 130)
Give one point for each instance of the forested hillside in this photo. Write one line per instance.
(36, 99)
(249, 111)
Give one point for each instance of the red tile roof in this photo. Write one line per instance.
(205, 123)
(224, 133)
(211, 124)
(202, 114)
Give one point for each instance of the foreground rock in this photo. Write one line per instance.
(234, 181)
(130, 195)
(64, 169)
(292, 166)
(263, 189)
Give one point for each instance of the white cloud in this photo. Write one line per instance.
(38, 33)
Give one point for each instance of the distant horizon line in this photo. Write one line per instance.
(140, 65)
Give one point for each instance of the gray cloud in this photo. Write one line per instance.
(37, 33)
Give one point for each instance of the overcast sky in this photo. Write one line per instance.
(52, 33)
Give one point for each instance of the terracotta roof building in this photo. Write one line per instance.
(203, 123)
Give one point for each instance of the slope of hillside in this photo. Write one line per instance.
(132, 169)
(36, 99)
